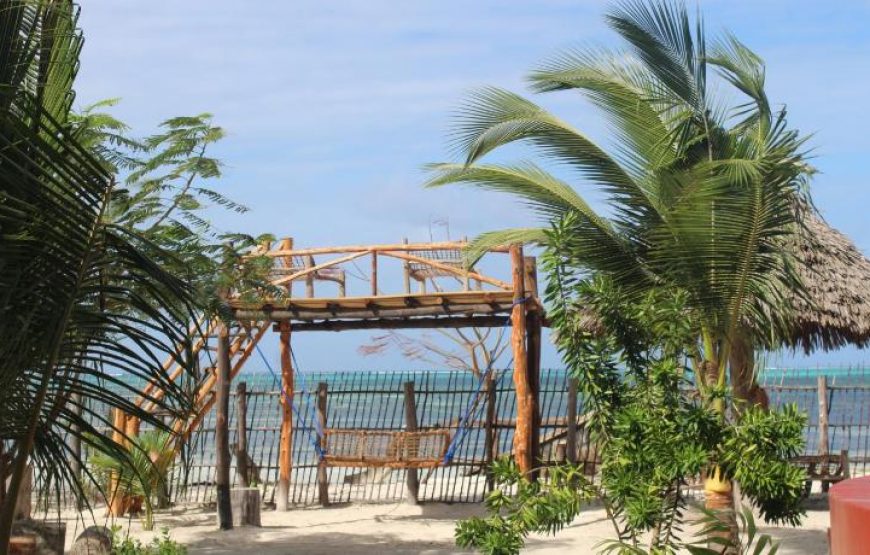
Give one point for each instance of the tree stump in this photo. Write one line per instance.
(95, 540)
(245, 503)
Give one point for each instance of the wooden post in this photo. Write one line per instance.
(322, 476)
(411, 478)
(823, 414)
(242, 434)
(116, 497)
(525, 410)
(75, 447)
(571, 439)
(222, 431)
(374, 273)
(490, 440)
(406, 271)
(533, 352)
(309, 279)
(285, 446)
(285, 244)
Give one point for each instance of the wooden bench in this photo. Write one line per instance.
(827, 469)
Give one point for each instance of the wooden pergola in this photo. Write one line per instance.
(435, 290)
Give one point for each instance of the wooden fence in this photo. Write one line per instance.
(837, 406)
(479, 420)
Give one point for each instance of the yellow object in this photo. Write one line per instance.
(715, 483)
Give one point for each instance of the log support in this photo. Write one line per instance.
(222, 431)
(285, 448)
(523, 433)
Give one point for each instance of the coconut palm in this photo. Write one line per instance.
(700, 195)
(142, 476)
(78, 296)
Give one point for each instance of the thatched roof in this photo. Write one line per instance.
(836, 308)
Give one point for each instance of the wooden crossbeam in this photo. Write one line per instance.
(458, 272)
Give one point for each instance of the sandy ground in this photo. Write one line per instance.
(400, 529)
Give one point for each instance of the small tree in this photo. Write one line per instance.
(654, 437)
(142, 476)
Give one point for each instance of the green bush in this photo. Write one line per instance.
(161, 545)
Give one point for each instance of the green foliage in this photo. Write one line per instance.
(77, 291)
(166, 196)
(700, 190)
(141, 472)
(755, 452)
(654, 434)
(531, 507)
(161, 545)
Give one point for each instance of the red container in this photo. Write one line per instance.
(850, 517)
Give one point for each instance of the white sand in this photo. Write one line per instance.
(400, 529)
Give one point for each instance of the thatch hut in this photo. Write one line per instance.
(835, 308)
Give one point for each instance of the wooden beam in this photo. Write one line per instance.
(285, 446)
(434, 246)
(402, 324)
(222, 432)
(447, 268)
(525, 417)
(328, 264)
(380, 313)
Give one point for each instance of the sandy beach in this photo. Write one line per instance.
(399, 529)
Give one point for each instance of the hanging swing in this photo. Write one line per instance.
(429, 448)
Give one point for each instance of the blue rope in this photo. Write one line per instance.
(308, 395)
(474, 403)
(288, 399)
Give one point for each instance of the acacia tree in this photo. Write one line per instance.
(76, 289)
(701, 196)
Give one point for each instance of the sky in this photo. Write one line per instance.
(332, 108)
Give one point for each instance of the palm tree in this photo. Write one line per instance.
(78, 296)
(701, 196)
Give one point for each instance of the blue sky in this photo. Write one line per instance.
(331, 108)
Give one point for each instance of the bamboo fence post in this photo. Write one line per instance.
(525, 409)
(285, 449)
(822, 389)
(490, 443)
(222, 431)
(322, 476)
(571, 439)
(412, 479)
(533, 352)
(242, 434)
